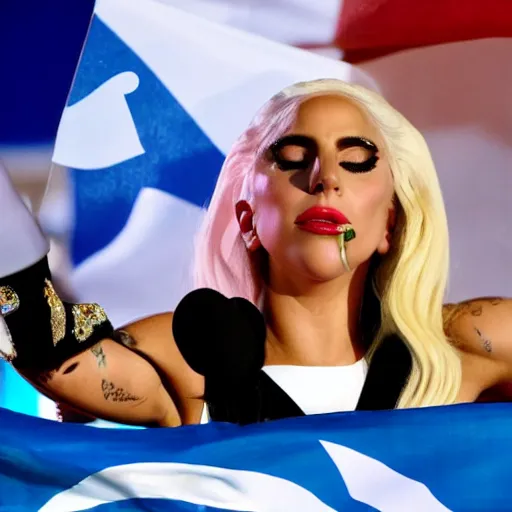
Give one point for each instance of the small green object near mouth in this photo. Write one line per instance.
(350, 234)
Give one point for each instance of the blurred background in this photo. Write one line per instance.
(443, 63)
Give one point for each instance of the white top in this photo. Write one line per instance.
(319, 389)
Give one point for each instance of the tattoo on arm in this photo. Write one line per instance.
(473, 307)
(475, 310)
(486, 342)
(124, 338)
(115, 394)
(453, 312)
(99, 354)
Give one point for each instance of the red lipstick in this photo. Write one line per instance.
(321, 220)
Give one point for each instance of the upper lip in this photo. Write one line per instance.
(322, 213)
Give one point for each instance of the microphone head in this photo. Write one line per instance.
(220, 337)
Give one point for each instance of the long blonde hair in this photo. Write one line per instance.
(410, 281)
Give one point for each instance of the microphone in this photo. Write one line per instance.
(222, 339)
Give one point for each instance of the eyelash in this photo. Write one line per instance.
(361, 167)
(310, 149)
(354, 167)
(290, 165)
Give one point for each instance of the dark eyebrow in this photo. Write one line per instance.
(356, 142)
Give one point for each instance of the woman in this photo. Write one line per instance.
(320, 159)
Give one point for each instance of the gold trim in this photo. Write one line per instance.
(87, 316)
(58, 313)
(9, 300)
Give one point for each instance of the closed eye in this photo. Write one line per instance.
(298, 152)
(357, 154)
(294, 152)
(366, 166)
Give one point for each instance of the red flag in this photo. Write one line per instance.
(372, 28)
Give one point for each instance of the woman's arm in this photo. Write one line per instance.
(71, 351)
(482, 328)
(140, 378)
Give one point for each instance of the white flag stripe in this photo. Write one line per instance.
(373, 483)
(88, 140)
(293, 22)
(215, 72)
(146, 269)
(228, 489)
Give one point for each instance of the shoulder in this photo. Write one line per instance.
(158, 326)
(481, 329)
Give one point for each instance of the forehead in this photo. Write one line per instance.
(333, 115)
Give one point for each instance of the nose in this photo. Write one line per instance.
(325, 178)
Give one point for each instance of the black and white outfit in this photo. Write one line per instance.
(312, 389)
(291, 391)
(227, 347)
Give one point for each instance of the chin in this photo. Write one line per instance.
(321, 266)
(325, 273)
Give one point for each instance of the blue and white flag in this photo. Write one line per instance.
(419, 460)
(159, 97)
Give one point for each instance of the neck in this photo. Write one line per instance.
(315, 324)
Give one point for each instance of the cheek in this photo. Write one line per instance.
(273, 201)
(271, 187)
(373, 205)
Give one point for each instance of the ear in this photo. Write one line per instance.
(245, 218)
(385, 243)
